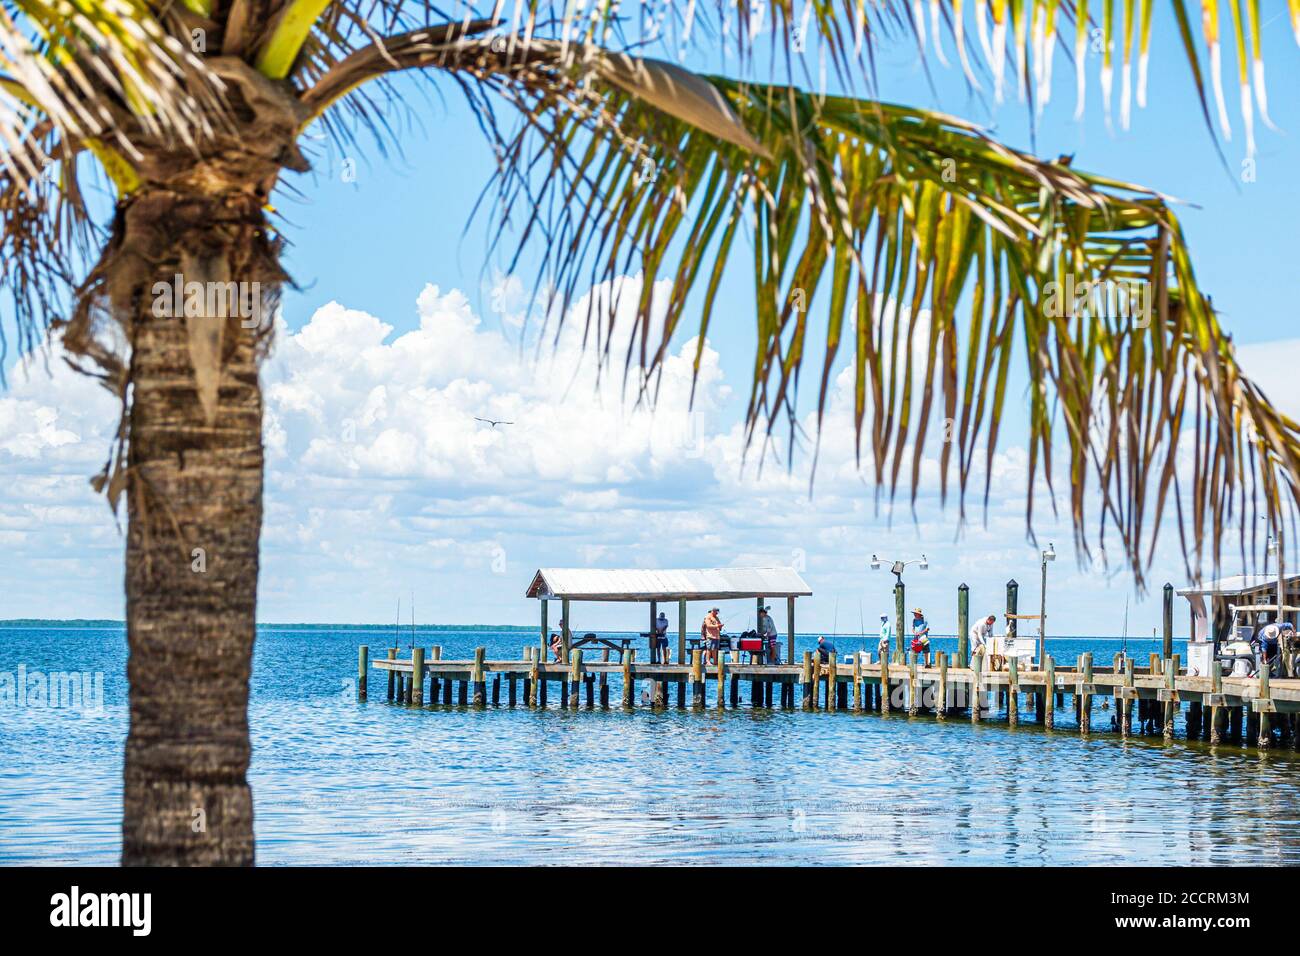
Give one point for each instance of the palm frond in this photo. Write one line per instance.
(902, 221)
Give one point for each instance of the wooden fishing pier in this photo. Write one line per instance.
(1150, 699)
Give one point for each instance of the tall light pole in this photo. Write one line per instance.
(896, 568)
(1048, 555)
(1274, 550)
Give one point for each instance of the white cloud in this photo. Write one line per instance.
(380, 481)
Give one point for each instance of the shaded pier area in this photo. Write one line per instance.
(1158, 698)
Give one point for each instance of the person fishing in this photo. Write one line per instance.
(771, 639)
(920, 635)
(886, 637)
(825, 649)
(661, 638)
(711, 633)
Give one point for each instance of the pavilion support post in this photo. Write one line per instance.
(545, 639)
(566, 627)
(681, 630)
(789, 630)
(654, 634)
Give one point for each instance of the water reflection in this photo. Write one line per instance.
(347, 783)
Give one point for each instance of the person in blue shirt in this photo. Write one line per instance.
(825, 649)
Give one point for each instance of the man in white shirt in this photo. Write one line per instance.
(980, 634)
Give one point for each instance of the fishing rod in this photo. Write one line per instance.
(1124, 646)
(862, 626)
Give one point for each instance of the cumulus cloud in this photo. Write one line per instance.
(383, 478)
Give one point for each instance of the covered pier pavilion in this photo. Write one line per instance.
(682, 586)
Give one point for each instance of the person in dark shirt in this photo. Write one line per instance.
(825, 649)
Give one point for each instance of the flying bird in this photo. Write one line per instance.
(492, 422)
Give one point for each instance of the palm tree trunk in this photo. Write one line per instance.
(194, 517)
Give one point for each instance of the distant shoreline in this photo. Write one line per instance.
(405, 629)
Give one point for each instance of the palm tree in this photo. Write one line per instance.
(606, 160)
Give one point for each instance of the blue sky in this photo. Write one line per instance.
(414, 499)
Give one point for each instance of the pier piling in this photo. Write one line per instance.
(1263, 705)
(363, 670)
(629, 682)
(697, 680)
(476, 677)
(1013, 691)
(806, 681)
(963, 624)
(1049, 694)
(417, 676)
(976, 703)
(857, 684)
(941, 697)
(722, 680)
(392, 675)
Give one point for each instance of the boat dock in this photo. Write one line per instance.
(1153, 699)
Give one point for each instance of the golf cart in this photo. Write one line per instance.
(1226, 616)
(1238, 650)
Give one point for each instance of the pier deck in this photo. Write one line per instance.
(1154, 694)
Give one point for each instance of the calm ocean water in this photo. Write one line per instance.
(338, 782)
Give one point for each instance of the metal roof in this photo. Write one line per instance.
(1238, 584)
(693, 584)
